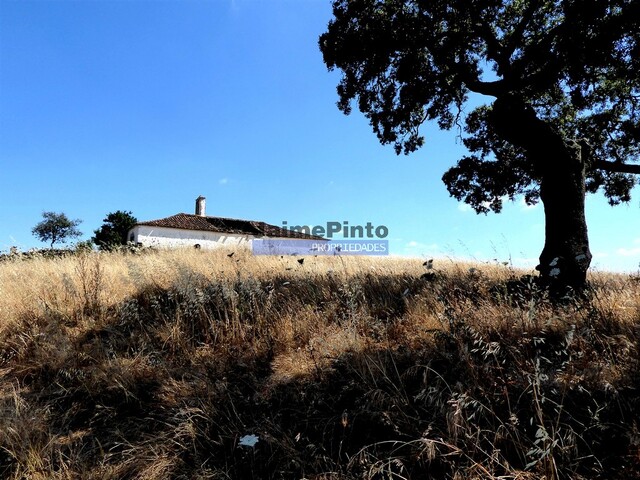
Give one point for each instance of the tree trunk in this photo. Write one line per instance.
(560, 165)
(565, 259)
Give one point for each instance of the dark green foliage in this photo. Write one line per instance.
(576, 66)
(113, 233)
(56, 228)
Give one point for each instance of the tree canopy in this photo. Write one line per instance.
(561, 80)
(56, 227)
(574, 65)
(114, 230)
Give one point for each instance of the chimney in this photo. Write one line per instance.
(200, 206)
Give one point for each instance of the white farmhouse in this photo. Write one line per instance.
(200, 231)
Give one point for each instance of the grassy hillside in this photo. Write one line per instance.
(171, 365)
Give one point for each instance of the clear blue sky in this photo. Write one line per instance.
(144, 105)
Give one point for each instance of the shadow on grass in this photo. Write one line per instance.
(168, 384)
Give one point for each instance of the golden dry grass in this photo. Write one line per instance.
(33, 285)
(153, 365)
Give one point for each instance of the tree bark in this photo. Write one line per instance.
(560, 165)
(566, 257)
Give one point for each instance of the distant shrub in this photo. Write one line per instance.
(113, 233)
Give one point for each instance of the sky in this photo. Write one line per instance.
(143, 105)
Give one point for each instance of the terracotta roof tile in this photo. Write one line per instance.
(187, 221)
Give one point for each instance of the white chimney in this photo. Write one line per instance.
(200, 206)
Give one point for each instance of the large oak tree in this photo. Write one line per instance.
(562, 79)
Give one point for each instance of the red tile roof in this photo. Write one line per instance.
(186, 221)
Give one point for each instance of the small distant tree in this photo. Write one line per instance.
(56, 228)
(113, 232)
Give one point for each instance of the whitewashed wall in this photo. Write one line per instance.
(163, 237)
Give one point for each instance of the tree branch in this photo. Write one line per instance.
(515, 39)
(493, 89)
(541, 55)
(495, 50)
(617, 167)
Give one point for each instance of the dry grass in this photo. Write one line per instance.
(154, 366)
